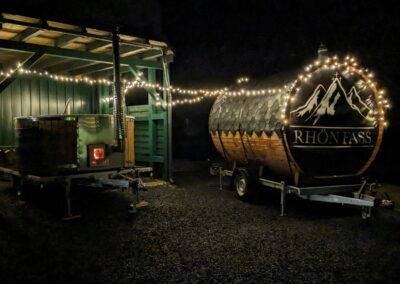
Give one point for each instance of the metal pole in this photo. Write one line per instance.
(220, 178)
(283, 198)
(119, 98)
(68, 195)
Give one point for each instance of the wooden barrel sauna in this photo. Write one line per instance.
(325, 124)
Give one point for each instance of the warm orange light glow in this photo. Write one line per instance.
(98, 153)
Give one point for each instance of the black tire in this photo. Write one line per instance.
(23, 188)
(16, 182)
(243, 185)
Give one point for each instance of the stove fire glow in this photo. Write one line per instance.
(97, 155)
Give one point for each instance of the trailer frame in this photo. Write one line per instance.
(325, 193)
(125, 178)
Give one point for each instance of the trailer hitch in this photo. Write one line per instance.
(382, 199)
(135, 183)
(137, 186)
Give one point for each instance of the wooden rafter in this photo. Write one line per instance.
(97, 45)
(65, 40)
(151, 54)
(49, 26)
(129, 51)
(75, 54)
(47, 62)
(27, 64)
(72, 49)
(90, 69)
(71, 66)
(27, 34)
(12, 64)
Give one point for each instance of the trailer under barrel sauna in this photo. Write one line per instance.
(313, 134)
(64, 115)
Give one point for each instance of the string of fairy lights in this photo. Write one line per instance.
(19, 69)
(242, 80)
(350, 65)
(288, 91)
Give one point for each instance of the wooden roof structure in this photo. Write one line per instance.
(72, 50)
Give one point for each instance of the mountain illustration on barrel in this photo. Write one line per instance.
(323, 103)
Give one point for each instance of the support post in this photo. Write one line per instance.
(68, 196)
(220, 178)
(151, 122)
(283, 197)
(19, 185)
(169, 114)
(67, 184)
(135, 200)
(362, 188)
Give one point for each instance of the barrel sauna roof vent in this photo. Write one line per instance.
(322, 52)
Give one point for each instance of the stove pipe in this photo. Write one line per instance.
(118, 96)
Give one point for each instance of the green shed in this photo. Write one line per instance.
(49, 66)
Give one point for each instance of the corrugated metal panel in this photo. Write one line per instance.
(29, 95)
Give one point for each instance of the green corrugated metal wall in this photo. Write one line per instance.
(35, 95)
(151, 136)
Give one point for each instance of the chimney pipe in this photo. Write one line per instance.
(322, 52)
(119, 98)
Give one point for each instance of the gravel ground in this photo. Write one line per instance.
(193, 232)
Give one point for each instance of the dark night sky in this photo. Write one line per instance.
(217, 41)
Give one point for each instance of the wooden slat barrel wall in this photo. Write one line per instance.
(270, 151)
(250, 149)
(232, 148)
(248, 130)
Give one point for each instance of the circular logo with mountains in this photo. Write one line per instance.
(333, 119)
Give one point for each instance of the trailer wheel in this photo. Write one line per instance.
(366, 213)
(22, 188)
(242, 185)
(16, 182)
